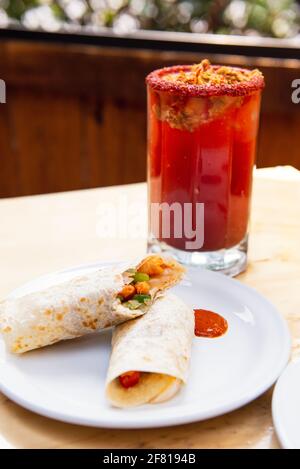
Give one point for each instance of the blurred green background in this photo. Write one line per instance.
(271, 18)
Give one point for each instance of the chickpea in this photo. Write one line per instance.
(127, 292)
(153, 266)
(142, 288)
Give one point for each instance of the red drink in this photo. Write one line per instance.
(201, 149)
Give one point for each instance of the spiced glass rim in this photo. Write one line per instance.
(156, 81)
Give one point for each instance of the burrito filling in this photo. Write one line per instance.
(143, 282)
(167, 386)
(136, 388)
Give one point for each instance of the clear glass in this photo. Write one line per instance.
(201, 150)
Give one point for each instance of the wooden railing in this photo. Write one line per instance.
(75, 115)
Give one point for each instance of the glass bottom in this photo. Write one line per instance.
(230, 261)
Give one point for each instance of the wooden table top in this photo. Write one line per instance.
(44, 233)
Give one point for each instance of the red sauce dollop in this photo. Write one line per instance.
(209, 324)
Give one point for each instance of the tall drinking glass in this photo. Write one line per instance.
(202, 129)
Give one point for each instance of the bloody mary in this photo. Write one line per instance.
(202, 128)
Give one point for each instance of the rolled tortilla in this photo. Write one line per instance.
(158, 345)
(77, 307)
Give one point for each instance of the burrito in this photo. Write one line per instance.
(151, 354)
(85, 304)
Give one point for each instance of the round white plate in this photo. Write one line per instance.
(66, 381)
(286, 407)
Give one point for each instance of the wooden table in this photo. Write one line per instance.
(44, 233)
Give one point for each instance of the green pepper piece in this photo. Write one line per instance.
(140, 277)
(142, 298)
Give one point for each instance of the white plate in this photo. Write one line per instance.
(66, 381)
(286, 407)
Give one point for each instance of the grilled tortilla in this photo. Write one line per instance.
(157, 348)
(82, 305)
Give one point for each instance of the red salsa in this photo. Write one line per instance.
(209, 324)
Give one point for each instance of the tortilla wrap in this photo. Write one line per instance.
(158, 345)
(75, 308)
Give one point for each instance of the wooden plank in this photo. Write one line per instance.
(8, 159)
(47, 141)
(279, 139)
(115, 142)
